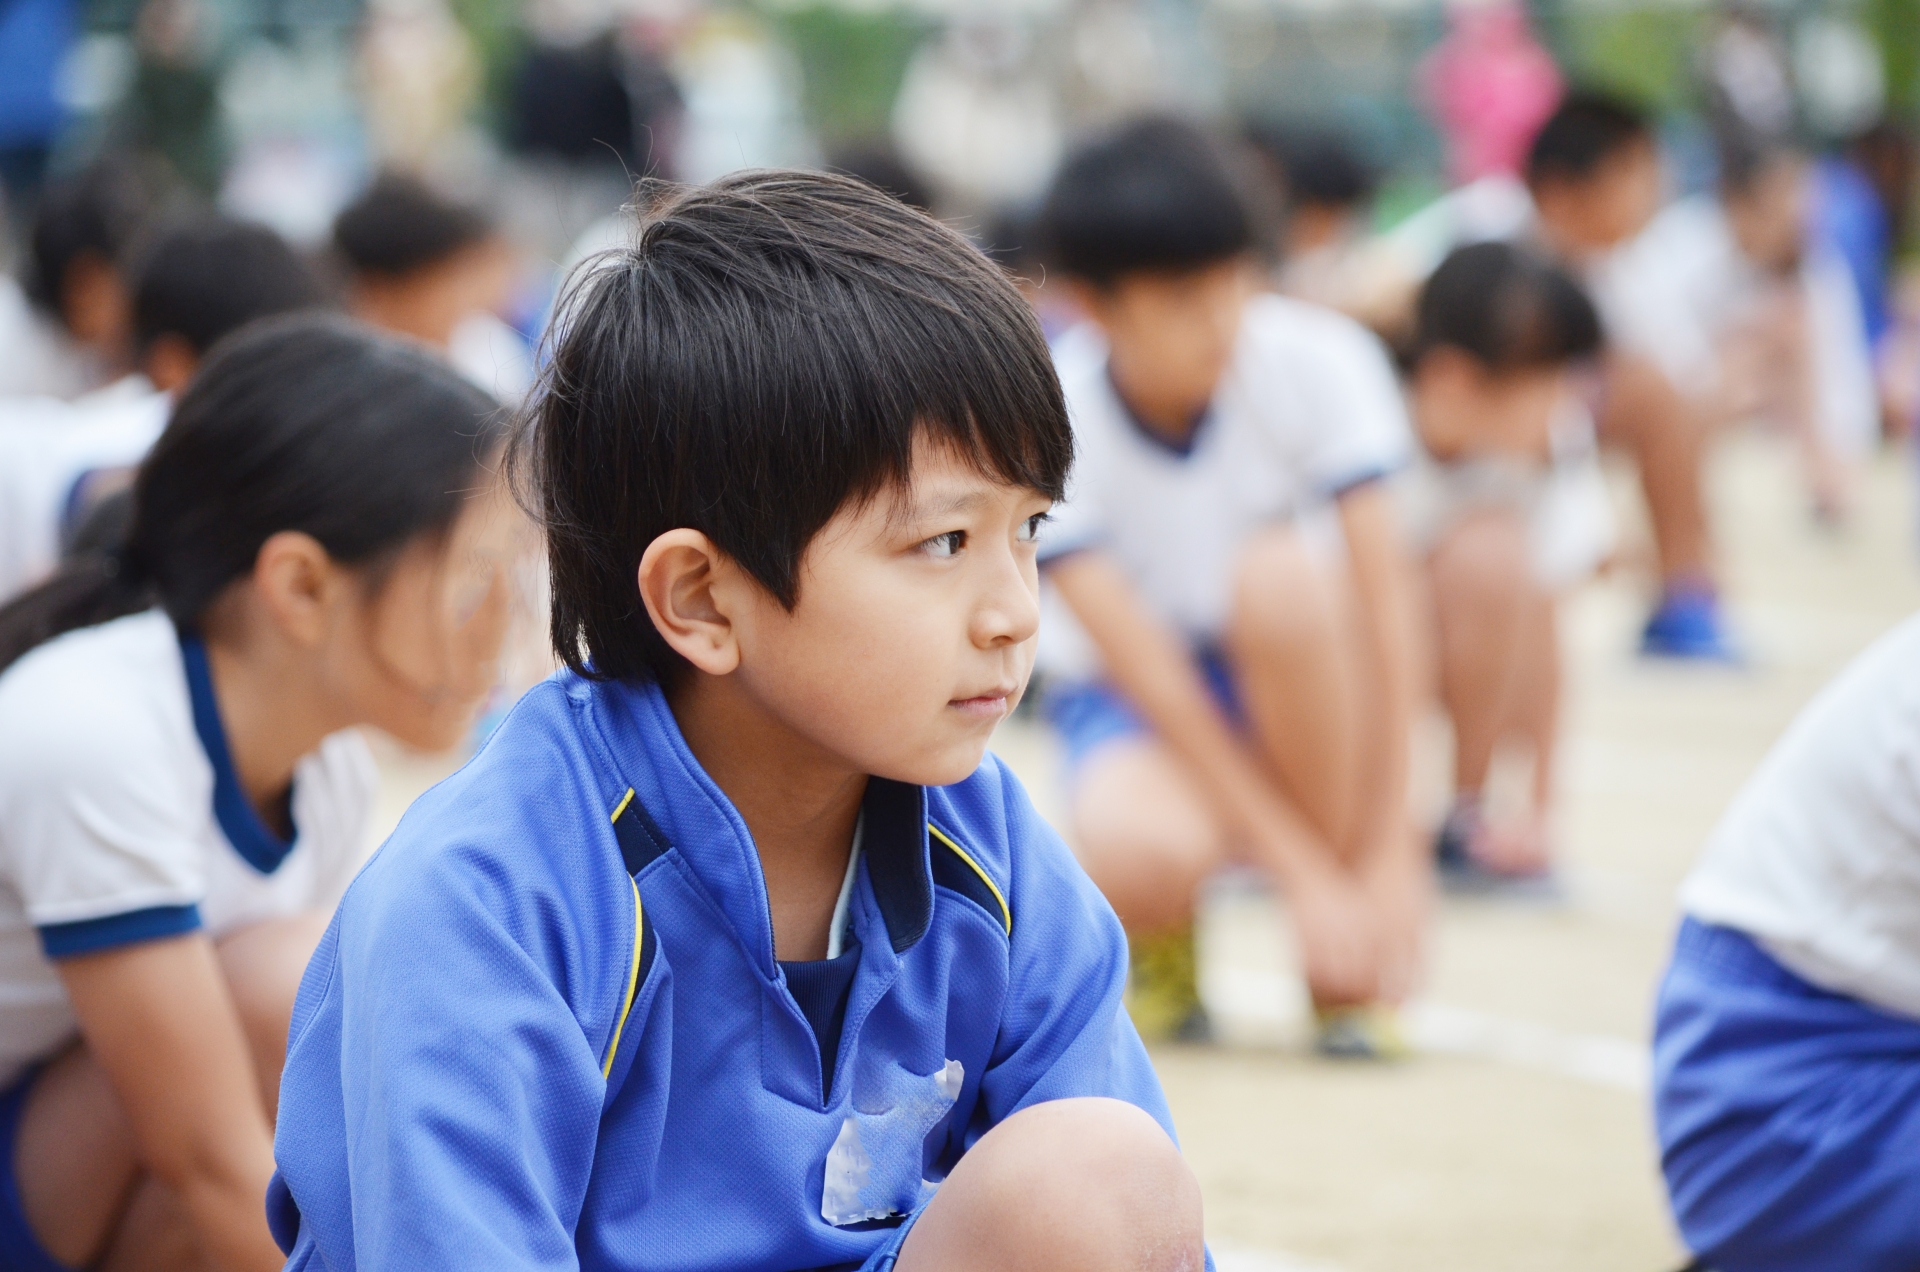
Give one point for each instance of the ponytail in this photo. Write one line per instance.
(88, 588)
(310, 423)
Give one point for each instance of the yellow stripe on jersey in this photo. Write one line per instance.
(633, 973)
(1006, 915)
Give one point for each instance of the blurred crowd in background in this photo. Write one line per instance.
(536, 114)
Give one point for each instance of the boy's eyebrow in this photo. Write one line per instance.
(942, 507)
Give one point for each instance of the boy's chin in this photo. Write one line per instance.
(952, 764)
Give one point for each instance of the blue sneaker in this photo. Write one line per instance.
(1462, 874)
(1687, 625)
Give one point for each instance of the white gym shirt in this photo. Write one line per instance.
(1818, 858)
(121, 819)
(1309, 408)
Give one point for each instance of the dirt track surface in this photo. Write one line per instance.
(1519, 1138)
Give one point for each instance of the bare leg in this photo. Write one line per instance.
(1086, 1185)
(155, 1234)
(1145, 835)
(1537, 705)
(74, 1158)
(1295, 654)
(1482, 588)
(1534, 718)
(1647, 417)
(82, 1185)
(263, 966)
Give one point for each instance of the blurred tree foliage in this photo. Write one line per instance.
(1896, 26)
(851, 63)
(499, 42)
(1645, 52)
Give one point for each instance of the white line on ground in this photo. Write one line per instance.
(1234, 1258)
(1271, 1004)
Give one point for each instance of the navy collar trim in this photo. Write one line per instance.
(894, 843)
(1179, 450)
(257, 845)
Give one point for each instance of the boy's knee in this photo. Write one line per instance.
(1486, 557)
(1282, 596)
(1099, 1182)
(263, 964)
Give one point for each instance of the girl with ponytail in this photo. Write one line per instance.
(317, 542)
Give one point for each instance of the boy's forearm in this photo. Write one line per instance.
(1384, 590)
(1149, 664)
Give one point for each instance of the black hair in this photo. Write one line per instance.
(306, 422)
(205, 275)
(1320, 169)
(1586, 130)
(399, 225)
(94, 212)
(1507, 307)
(765, 351)
(1156, 194)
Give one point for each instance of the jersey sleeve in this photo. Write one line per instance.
(441, 1100)
(1065, 1033)
(1354, 426)
(101, 815)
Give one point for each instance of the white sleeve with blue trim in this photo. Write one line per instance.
(1351, 425)
(103, 803)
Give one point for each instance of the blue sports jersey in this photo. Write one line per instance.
(546, 1028)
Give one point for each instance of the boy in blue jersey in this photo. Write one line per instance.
(729, 951)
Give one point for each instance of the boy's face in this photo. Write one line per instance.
(1598, 213)
(913, 634)
(1769, 217)
(1171, 335)
(1462, 408)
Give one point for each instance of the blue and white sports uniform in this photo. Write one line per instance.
(1308, 410)
(122, 820)
(1787, 1046)
(547, 1028)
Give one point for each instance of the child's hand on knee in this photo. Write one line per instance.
(1337, 925)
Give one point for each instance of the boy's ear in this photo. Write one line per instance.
(681, 583)
(1095, 302)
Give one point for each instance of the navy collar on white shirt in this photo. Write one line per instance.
(239, 821)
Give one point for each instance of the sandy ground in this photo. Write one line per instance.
(1519, 1138)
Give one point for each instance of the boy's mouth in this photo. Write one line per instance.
(991, 705)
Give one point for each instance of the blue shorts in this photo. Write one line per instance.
(1089, 714)
(1788, 1116)
(20, 1250)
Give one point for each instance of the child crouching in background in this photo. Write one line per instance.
(1508, 506)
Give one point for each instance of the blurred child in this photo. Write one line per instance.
(313, 546)
(435, 270)
(728, 950)
(1787, 1041)
(1509, 506)
(1593, 181)
(1231, 551)
(65, 331)
(1765, 323)
(193, 281)
(1329, 193)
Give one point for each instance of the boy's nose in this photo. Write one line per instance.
(1010, 612)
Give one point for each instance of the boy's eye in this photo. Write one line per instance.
(1030, 528)
(946, 545)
